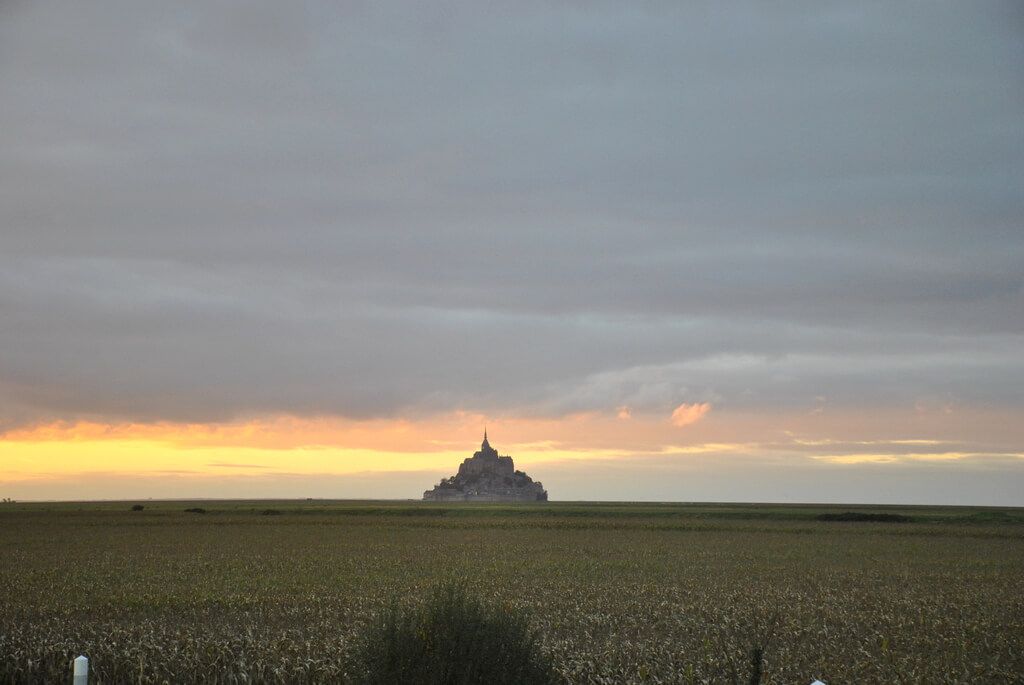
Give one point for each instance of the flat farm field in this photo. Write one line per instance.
(620, 593)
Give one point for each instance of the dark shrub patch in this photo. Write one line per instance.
(863, 516)
(195, 510)
(452, 639)
(137, 507)
(989, 517)
(756, 666)
(271, 512)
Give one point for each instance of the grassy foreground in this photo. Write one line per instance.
(281, 591)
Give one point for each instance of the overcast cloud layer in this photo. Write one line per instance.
(213, 210)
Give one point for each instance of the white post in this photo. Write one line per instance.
(81, 671)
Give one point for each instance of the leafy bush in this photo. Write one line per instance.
(137, 507)
(452, 639)
(195, 510)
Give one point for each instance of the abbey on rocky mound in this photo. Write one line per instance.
(487, 477)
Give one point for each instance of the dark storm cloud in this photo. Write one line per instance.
(214, 210)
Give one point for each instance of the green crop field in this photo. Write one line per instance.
(281, 591)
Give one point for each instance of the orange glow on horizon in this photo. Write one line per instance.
(289, 445)
(285, 445)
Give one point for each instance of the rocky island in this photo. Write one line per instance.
(487, 477)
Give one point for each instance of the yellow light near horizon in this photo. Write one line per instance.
(28, 460)
(290, 447)
(890, 458)
(308, 445)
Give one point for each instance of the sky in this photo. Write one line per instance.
(664, 251)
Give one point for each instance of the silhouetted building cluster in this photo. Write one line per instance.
(487, 477)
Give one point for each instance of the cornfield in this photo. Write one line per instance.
(232, 596)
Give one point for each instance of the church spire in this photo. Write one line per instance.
(485, 445)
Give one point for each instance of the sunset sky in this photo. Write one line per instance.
(663, 251)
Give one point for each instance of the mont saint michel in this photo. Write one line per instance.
(487, 477)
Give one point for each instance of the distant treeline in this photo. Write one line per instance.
(865, 516)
